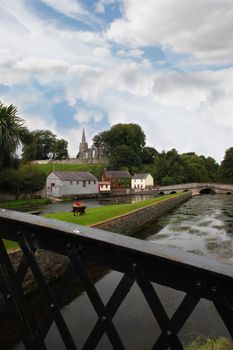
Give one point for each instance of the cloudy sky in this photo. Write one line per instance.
(164, 64)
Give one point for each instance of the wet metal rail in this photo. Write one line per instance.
(140, 262)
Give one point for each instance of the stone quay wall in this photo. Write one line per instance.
(53, 265)
(129, 224)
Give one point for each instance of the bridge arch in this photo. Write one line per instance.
(173, 192)
(161, 193)
(207, 190)
(228, 193)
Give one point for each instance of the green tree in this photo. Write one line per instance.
(130, 135)
(148, 155)
(226, 167)
(44, 145)
(195, 170)
(124, 144)
(170, 168)
(61, 149)
(23, 181)
(212, 168)
(124, 156)
(13, 132)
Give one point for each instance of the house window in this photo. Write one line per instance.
(94, 182)
(71, 182)
(84, 183)
(52, 184)
(89, 182)
(77, 182)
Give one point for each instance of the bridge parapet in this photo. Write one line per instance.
(141, 262)
(197, 187)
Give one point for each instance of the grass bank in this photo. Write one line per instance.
(20, 203)
(98, 214)
(95, 169)
(219, 343)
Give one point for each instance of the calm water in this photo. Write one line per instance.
(202, 226)
(91, 203)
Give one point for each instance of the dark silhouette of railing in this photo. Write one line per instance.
(140, 262)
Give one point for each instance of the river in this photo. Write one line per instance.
(60, 206)
(202, 226)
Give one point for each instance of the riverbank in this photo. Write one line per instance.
(24, 203)
(98, 215)
(122, 218)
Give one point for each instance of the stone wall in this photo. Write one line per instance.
(54, 265)
(130, 223)
(71, 161)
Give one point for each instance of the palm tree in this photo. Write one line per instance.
(12, 133)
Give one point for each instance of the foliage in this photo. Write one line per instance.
(26, 180)
(45, 145)
(98, 214)
(12, 134)
(170, 168)
(122, 140)
(226, 168)
(212, 168)
(123, 155)
(173, 168)
(219, 343)
(148, 155)
(61, 149)
(130, 135)
(195, 170)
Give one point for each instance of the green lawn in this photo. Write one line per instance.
(98, 214)
(95, 169)
(10, 245)
(95, 215)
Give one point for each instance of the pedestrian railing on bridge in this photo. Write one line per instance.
(140, 262)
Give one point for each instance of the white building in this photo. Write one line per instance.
(142, 181)
(71, 183)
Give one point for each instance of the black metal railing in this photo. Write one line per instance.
(140, 262)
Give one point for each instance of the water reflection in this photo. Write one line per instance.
(91, 203)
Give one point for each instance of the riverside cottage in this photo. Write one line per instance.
(71, 183)
(117, 179)
(142, 181)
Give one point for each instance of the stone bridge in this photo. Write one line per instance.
(197, 188)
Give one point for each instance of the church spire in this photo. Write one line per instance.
(83, 137)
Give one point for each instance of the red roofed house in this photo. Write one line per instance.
(118, 179)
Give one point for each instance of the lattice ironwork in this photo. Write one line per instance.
(139, 261)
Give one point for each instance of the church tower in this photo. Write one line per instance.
(83, 146)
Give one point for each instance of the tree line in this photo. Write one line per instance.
(125, 145)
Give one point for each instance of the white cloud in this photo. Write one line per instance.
(70, 8)
(84, 115)
(201, 28)
(188, 110)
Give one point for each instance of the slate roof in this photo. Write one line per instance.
(117, 173)
(75, 175)
(140, 176)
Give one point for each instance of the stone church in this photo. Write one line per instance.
(89, 153)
